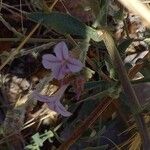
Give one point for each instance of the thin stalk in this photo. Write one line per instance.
(36, 40)
(14, 53)
(127, 87)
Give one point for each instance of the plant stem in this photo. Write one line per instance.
(35, 40)
(127, 87)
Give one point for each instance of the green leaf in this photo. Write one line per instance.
(87, 108)
(32, 147)
(64, 24)
(96, 84)
(37, 139)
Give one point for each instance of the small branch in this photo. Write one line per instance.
(4, 5)
(14, 53)
(9, 27)
(36, 40)
(37, 49)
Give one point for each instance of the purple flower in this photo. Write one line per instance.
(53, 101)
(62, 63)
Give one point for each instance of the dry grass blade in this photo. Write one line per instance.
(135, 145)
(14, 53)
(139, 8)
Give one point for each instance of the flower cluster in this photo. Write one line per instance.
(61, 65)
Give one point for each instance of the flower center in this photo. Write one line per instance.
(64, 62)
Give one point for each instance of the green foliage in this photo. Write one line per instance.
(39, 139)
(97, 84)
(65, 24)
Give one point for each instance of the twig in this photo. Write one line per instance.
(10, 27)
(6, 5)
(14, 53)
(53, 5)
(37, 49)
(36, 40)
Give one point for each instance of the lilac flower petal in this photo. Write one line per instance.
(59, 108)
(53, 101)
(49, 61)
(62, 73)
(54, 97)
(50, 57)
(63, 63)
(61, 51)
(57, 72)
(51, 106)
(43, 98)
(74, 65)
(62, 110)
(65, 69)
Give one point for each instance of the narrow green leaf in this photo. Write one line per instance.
(64, 24)
(96, 84)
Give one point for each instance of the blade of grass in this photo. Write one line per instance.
(127, 87)
(137, 7)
